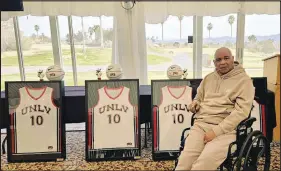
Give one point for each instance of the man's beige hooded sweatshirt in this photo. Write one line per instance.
(225, 100)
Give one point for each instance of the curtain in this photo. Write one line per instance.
(130, 42)
(154, 12)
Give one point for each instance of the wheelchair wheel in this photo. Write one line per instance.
(254, 154)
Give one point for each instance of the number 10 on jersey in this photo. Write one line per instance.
(114, 118)
(178, 118)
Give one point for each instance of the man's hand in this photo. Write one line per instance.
(194, 107)
(209, 136)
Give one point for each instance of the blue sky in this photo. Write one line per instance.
(260, 25)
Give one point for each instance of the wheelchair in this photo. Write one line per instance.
(245, 152)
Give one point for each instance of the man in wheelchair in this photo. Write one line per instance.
(224, 99)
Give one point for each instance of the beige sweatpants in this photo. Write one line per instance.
(199, 156)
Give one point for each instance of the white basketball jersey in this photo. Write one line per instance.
(173, 116)
(36, 121)
(256, 113)
(114, 119)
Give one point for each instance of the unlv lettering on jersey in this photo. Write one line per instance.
(177, 107)
(113, 107)
(35, 108)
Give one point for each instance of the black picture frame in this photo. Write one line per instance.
(37, 157)
(260, 84)
(261, 96)
(118, 153)
(193, 83)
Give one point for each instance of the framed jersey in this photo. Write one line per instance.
(260, 111)
(36, 128)
(112, 125)
(170, 115)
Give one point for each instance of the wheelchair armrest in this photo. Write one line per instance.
(229, 149)
(246, 123)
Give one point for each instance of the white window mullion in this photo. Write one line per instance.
(19, 48)
(197, 46)
(55, 35)
(72, 49)
(240, 37)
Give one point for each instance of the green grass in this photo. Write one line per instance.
(94, 56)
(97, 56)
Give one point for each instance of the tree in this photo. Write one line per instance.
(91, 31)
(8, 41)
(42, 37)
(96, 29)
(67, 38)
(83, 34)
(101, 33)
(36, 28)
(252, 39)
(267, 46)
(180, 18)
(231, 20)
(252, 45)
(107, 34)
(209, 28)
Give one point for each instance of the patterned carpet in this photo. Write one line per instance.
(75, 159)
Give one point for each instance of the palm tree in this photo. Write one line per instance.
(162, 25)
(180, 18)
(231, 20)
(91, 31)
(101, 33)
(42, 37)
(36, 28)
(83, 33)
(210, 27)
(252, 38)
(95, 29)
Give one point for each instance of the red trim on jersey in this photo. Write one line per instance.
(105, 87)
(12, 127)
(155, 127)
(176, 87)
(90, 128)
(59, 113)
(263, 120)
(44, 87)
(52, 98)
(137, 128)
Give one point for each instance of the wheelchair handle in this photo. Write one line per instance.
(183, 132)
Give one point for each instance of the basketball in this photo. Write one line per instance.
(54, 73)
(114, 71)
(174, 72)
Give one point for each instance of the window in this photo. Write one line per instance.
(65, 50)
(36, 45)
(167, 45)
(262, 39)
(9, 57)
(93, 45)
(217, 32)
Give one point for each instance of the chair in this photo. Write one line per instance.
(250, 147)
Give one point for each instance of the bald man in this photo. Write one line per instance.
(224, 98)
